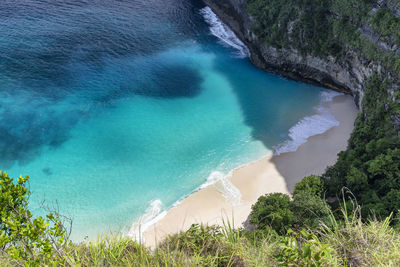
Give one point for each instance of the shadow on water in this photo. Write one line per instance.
(47, 171)
(43, 43)
(164, 81)
(39, 126)
(44, 46)
(25, 134)
(268, 116)
(45, 65)
(260, 95)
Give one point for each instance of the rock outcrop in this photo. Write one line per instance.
(348, 75)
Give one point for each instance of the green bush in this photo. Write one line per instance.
(304, 249)
(273, 210)
(312, 185)
(370, 167)
(307, 209)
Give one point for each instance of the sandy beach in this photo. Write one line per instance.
(267, 175)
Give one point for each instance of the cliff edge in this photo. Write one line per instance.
(346, 71)
(351, 46)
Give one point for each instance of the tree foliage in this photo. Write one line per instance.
(307, 209)
(387, 24)
(326, 28)
(370, 167)
(273, 210)
(25, 239)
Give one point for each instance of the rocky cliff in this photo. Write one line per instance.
(347, 75)
(346, 45)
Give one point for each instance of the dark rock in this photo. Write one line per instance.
(348, 76)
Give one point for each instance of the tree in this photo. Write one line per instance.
(312, 185)
(272, 210)
(308, 206)
(23, 238)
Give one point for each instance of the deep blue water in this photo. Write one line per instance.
(110, 105)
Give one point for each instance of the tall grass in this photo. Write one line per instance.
(345, 242)
(358, 243)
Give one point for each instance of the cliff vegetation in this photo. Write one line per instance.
(344, 30)
(36, 241)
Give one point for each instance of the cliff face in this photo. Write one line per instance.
(347, 45)
(347, 75)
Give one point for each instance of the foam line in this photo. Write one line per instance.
(224, 33)
(318, 123)
(153, 214)
(224, 186)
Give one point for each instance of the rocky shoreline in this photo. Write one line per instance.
(348, 76)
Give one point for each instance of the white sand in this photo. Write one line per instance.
(267, 175)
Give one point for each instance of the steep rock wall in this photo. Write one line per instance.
(347, 76)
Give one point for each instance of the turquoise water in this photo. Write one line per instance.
(111, 105)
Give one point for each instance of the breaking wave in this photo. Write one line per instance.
(318, 123)
(224, 33)
(153, 214)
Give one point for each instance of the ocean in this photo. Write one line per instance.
(119, 109)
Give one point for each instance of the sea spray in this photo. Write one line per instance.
(224, 33)
(153, 214)
(309, 126)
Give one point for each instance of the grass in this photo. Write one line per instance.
(355, 243)
(348, 242)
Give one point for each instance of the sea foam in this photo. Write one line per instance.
(318, 123)
(155, 211)
(153, 214)
(224, 186)
(224, 33)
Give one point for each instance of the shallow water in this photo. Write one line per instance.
(110, 105)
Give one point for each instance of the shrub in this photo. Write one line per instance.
(273, 210)
(309, 211)
(205, 246)
(304, 249)
(312, 185)
(23, 238)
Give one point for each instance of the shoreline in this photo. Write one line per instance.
(272, 173)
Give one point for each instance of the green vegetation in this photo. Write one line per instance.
(318, 27)
(278, 212)
(387, 24)
(274, 211)
(327, 28)
(349, 241)
(346, 242)
(302, 230)
(370, 167)
(22, 237)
